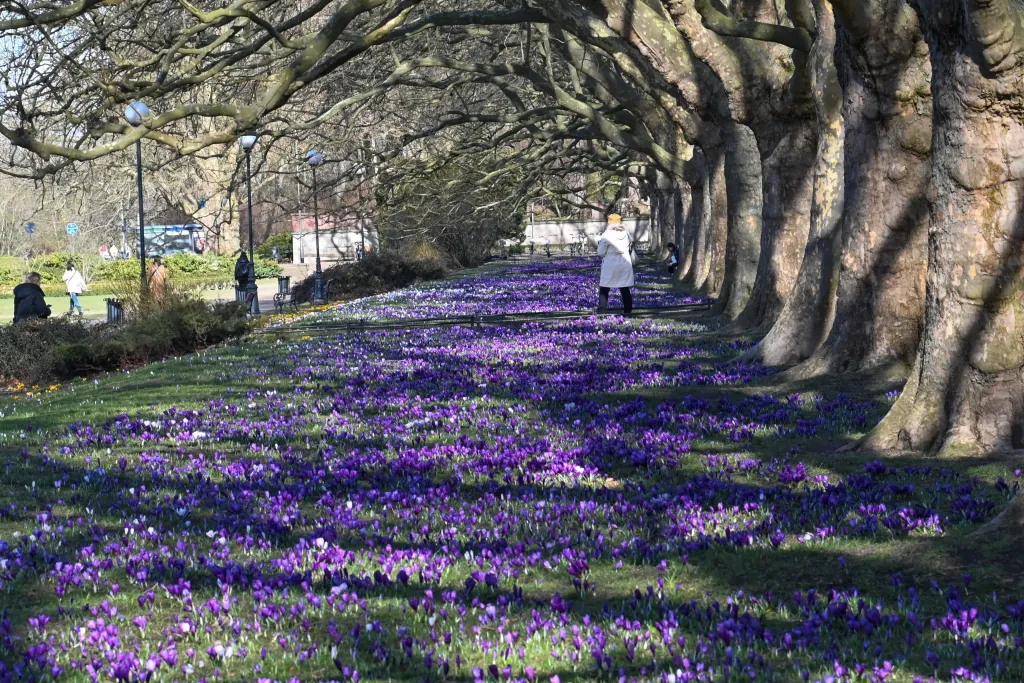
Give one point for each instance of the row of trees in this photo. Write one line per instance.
(844, 176)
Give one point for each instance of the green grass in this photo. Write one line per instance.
(714, 575)
(94, 307)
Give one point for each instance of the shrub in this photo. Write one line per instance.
(42, 351)
(9, 277)
(51, 266)
(379, 272)
(117, 270)
(266, 268)
(283, 242)
(27, 350)
(183, 326)
(74, 360)
(186, 264)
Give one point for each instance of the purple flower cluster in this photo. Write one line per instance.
(492, 504)
(566, 285)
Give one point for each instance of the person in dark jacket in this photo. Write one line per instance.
(29, 301)
(242, 271)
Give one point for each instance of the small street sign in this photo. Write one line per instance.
(30, 227)
(72, 229)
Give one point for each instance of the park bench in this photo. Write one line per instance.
(285, 298)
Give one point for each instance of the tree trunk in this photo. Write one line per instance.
(808, 312)
(787, 151)
(966, 392)
(743, 244)
(701, 225)
(681, 208)
(717, 210)
(888, 110)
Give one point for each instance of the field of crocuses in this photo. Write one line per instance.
(591, 499)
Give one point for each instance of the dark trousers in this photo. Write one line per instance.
(627, 298)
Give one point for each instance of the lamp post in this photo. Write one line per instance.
(314, 159)
(135, 113)
(359, 188)
(252, 292)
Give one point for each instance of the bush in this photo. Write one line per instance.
(266, 268)
(51, 266)
(74, 360)
(28, 350)
(9, 277)
(117, 270)
(186, 264)
(379, 272)
(283, 242)
(42, 351)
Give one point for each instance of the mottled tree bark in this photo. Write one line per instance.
(681, 210)
(787, 151)
(807, 315)
(966, 391)
(743, 243)
(717, 216)
(887, 110)
(700, 224)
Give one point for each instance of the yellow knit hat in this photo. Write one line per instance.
(614, 218)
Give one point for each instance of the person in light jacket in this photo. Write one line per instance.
(74, 283)
(615, 250)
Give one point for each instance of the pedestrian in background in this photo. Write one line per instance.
(74, 285)
(616, 251)
(29, 300)
(157, 278)
(242, 271)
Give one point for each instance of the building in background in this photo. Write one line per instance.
(340, 239)
(562, 232)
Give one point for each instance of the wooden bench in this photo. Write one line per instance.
(282, 299)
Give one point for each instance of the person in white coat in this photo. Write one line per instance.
(75, 285)
(615, 250)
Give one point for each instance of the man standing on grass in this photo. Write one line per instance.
(29, 300)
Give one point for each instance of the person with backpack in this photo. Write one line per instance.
(673, 257)
(242, 271)
(29, 300)
(616, 251)
(74, 284)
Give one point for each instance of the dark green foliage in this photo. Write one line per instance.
(38, 352)
(379, 272)
(52, 266)
(283, 242)
(266, 268)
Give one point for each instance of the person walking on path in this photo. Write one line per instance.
(29, 300)
(157, 279)
(74, 284)
(616, 252)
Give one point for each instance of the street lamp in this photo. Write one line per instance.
(359, 189)
(251, 291)
(135, 113)
(314, 159)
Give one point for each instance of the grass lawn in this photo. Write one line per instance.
(94, 306)
(594, 499)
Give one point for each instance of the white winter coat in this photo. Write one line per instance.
(617, 262)
(73, 281)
